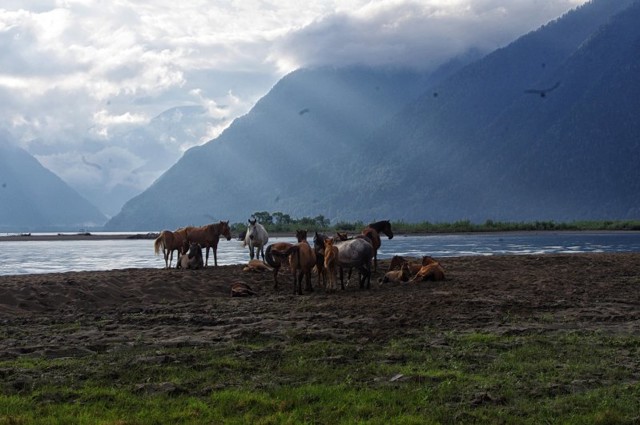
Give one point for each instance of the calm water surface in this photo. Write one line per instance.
(24, 257)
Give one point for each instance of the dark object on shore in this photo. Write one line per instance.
(241, 289)
(150, 235)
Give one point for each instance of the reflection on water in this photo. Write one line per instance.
(60, 256)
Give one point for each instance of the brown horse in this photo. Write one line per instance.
(168, 242)
(275, 257)
(331, 263)
(208, 236)
(430, 270)
(372, 231)
(302, 260)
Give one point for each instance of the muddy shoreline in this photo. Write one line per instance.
(82, 313)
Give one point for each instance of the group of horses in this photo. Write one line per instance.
(189, 241)
(329, 257)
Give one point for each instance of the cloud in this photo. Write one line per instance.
(419, 34)
(83, 81)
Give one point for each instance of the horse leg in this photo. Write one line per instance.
(251, 254)
(165, 252)
(275, 277)
(308, 286)
(342, 278)
(375, 260)
(206, 262)
(215, 256)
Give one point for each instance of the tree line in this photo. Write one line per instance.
(281, 222)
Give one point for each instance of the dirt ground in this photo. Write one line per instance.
(80, 313)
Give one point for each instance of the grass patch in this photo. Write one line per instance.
(561, 377)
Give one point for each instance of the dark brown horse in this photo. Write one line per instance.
(372, 231)
(275, 257)
(168, 242)
(208, 236)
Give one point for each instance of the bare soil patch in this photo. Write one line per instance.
(80, 313)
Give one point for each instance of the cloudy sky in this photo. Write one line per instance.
(82, 80)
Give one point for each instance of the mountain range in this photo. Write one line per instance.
(545, 128)
(32, 198)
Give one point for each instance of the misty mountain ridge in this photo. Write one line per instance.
(32, 198)
(351, 144)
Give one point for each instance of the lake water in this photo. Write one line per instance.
(24, 257)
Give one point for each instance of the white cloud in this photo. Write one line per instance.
(79, 77)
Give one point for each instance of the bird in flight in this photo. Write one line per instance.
(304, 111)
(543, 92)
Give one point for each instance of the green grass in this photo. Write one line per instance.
(449, 377)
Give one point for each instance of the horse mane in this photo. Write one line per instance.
(379, 225)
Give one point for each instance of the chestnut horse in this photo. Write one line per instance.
(208, 237)
(168, 242)
(302, 260)
(372, 231)
(331, 263)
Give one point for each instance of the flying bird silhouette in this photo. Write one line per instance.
(91, 164)
(304, 111)
(543, 92)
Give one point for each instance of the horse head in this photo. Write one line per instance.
(301, 235)
(225, 230)
(194, 250)
(383, 226)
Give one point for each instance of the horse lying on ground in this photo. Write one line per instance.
(428, 269)
(398, 276)
(208, 236)
(192, 259)
(256, 265)
(241, 289)
(256, 238)
(168, 242)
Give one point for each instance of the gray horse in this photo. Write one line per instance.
(357, 252)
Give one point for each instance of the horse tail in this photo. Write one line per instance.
(294, 250)
(268, 257)
(158, 244)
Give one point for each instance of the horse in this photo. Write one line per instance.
(356, 252)
(241, 289)
(208, 236)
(398, 276)
(274, 256)
(430, 270)
(372, 231)
(256, 238)
(192, 259)
(168, 242)
(330, 262)
(302, 260)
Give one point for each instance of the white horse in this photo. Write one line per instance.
(256, 238)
